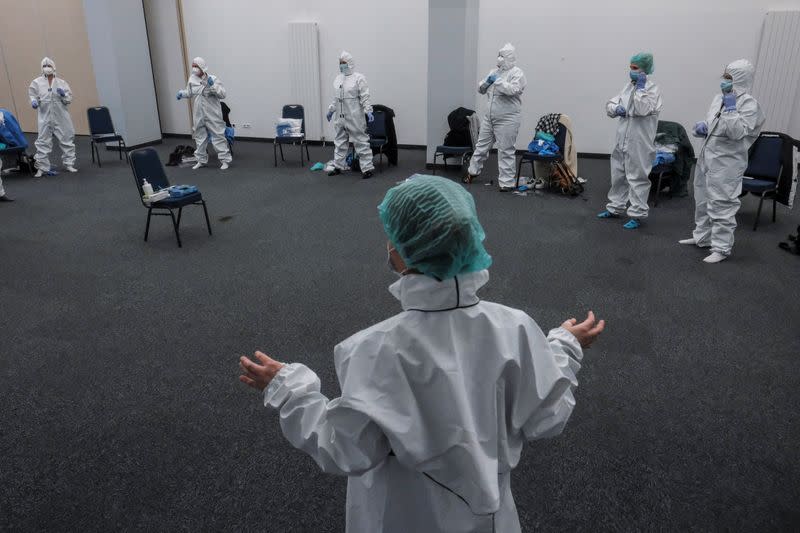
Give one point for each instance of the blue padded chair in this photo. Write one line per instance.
(764, 169)
(292, 111)
(147, 166)
(530, 157)
(101, 130)
(378, 138)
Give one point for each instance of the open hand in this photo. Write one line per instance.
(587, 331)
(258, 374)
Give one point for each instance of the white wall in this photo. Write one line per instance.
(245, 44)
(452, 39)
(165, 52)
(575, 54)
(120, 56)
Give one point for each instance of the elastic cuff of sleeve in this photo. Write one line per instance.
(277, 381)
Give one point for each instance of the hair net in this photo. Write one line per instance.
(434, 226)
(644, 60)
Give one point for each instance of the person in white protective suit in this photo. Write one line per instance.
(351, 102)
(637, 107)
(504, 87)
(3, 196)
(50, 96)
(437, 401)
(731, 126)
(206, 90)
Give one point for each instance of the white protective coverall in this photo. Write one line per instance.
(54, 119)
(350, 103)
(635, 148)
(503, 117)
(722, 161)
(207, 113)
(436, 404)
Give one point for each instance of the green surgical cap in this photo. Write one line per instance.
(432, 223)
(644, 60)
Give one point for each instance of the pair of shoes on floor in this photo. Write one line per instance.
(506, 189)
(539, 184)
(607, 214)
(633, 223)
(5, 198)
(38, 174)
(198, 165)
(366, 175)
(469, 178)
(334, 172)
(70, 168)
(223, 166)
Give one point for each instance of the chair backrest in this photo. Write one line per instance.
(295, 111)
(146, 165)
(100, 121)
(765, 160)
(377, 128)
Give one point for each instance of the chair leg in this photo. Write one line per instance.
(275, 151)
(434, 162)
(180, 214)
(147, 227)
(91, 148)
(119, 145)
(280, 147)
(519, 172)
(774, 205)
(302, 163)
(658, 189)
(205, 212)
(308, 156)
(758, 213)
(175, 226)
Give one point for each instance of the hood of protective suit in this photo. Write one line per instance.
(742, 72)
(509, 55)
(201, 63)
(47, 61)
(347, 57)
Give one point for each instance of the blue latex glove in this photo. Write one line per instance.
(491, 79)
(370, 117)
(620, 111)
(34, 104)
(701, 129)
(641, 81)
(178, 95)
(329, 115)
(61, 92)
(729, 101)
(210, 81)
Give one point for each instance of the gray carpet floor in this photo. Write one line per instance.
(121, 408)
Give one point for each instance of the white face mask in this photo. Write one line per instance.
(344, 68)
(501, 62)
(391, 265)
(197, 72)
(48, 71)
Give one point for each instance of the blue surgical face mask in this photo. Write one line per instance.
(634, 74)
(726, 85)
(343, 68)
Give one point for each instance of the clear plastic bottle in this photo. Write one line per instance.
(147, 189)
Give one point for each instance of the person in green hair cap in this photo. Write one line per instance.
(637, 106)
(437, 401)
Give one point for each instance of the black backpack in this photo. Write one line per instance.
(458, 120)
